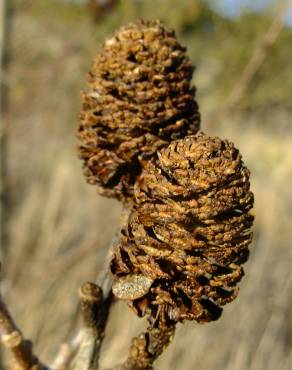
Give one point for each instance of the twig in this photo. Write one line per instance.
(12, 339)
(95, 310)
(66, 353)
(86, 345)
(83, 350)
(147, 347)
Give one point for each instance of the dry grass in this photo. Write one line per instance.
(60, 229)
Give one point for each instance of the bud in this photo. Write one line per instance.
(189, 231)
(99, 8)
(140, 98)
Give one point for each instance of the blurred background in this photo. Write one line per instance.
(55, 229)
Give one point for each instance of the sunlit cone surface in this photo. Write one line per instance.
(188, 233)
(140, 98)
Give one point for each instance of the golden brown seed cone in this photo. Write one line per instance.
(189, 231)
(140, 98)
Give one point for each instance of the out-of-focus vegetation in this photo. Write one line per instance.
(59, 229)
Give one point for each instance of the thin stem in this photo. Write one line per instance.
(95, 310)
(66, 353)
(85, 346)
(12, 339)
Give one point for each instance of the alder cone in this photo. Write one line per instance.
(189, 231)
(140, 98)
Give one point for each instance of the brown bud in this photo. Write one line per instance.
(99, 8)
(189, 230)
(140, 98)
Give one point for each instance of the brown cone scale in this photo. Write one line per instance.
(188, 233)
(140, 98)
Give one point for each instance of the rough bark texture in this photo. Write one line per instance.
(140, 98)
(188, 233)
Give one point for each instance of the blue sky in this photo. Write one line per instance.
(234, 8)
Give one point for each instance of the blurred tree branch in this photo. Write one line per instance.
(258, 57)
(4, 19)
(256, 60)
